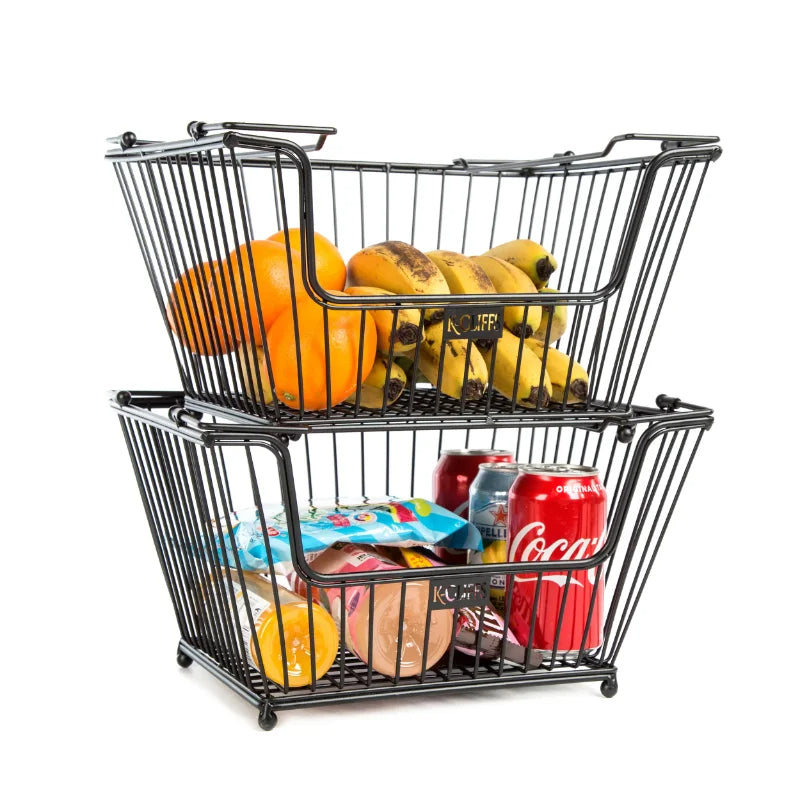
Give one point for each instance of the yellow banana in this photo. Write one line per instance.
(463, 275)
(401, 269)
(251, 358)
(560, 316)
(558, 368)
(530, 257)
(373, 387)
(407, 329)
(507, 279)
(532, 386)
(454, 355)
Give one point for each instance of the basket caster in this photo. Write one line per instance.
(267, 718)
(183, 660)
(609, 687)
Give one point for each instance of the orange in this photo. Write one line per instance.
(190, 313)
(331, 269)
(235, 303)
(344, 328)
(271, 268)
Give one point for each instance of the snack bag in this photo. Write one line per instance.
(391, 522)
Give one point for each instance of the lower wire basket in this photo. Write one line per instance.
(287, 633)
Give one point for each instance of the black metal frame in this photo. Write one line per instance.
(195, 201)
(187, 479)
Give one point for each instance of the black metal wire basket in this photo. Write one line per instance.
(196, 476)
(616, 226)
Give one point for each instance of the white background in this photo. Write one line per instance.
(93, 700)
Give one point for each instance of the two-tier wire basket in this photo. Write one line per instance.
(231, 440)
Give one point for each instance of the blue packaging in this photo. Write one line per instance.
(398, 523)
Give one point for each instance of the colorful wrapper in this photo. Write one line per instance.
(392, 522)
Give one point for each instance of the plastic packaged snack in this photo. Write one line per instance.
(390, 522)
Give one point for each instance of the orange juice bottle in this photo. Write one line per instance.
(264, 600)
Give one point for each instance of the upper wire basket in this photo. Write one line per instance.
(202, 207)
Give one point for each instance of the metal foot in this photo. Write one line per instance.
(183, 660)
(267, 718)
(609, 687)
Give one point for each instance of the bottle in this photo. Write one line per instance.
(267, 603)
(344, 558)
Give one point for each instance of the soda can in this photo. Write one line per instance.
(452, 477)
(488, 512)
(557, 512)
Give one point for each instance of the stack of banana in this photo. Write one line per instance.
(517, 267)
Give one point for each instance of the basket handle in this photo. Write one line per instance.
(199, 129)
(668, 142)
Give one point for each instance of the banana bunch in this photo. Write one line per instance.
(461, 379)
(517, 267)
(528, 256)
(400, 268)
(533, 383)
(561, 367)
(386, 379)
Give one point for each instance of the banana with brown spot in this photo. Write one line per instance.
(453, 355)
(507, 279)
(384, 380)
(401, 269)
(533, 387)
(528, 256)
(463, 275)
(559, 367)
(393, 337)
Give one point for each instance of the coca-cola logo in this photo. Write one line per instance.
(531, 544)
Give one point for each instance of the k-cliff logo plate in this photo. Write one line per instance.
(469, 322)
(456, 595)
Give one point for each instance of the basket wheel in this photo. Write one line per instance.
(267, 718)
(609, 687)
(183, 660)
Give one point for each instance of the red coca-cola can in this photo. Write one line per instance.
(452, 477)
(557, 512)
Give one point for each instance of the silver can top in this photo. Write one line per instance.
(565, 470)
(476, 453)
(500, 466)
